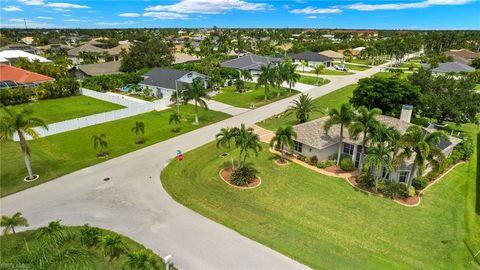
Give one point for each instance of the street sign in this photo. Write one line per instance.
(179, 152)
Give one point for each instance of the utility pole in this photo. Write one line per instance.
(25, 22)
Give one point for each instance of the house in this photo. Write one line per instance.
(54, 47)
(22, 47)
(9, 57)
(184, 58)
(313, 58)
(101, 51)
(463, 56)
(27, 40)
(450, 67)
(90, 70)
(163, 82)
(11, 77)
(335, 56)
(312, 140)
(76, 53)
(251, 62)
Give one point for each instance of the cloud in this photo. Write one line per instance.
(166, 15)
(65, 5)
(131, 15)
(72, 20)
(115, 23)
(44, 18)
(32, 2)
(209, 6)
(11, 8)
(19, 20)
(398, 6)
(311, 17)
(313, 10)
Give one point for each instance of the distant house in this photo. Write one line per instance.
(312, 140)
(11, 77)
(450, 67)
(463, 56)
(335, 56)
(27, 40)
(101, 51)
(54, 47)
(89, 70)
(313, 58)
(163, 82)
(184, 58)
(22, 47)
(251, 62)
(9, 57)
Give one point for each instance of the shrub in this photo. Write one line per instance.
(13, 96)
(420, 182)
(243, 176)
(90, 236)
(313, 160)
(411, 191)
(365, 179)
(331, 162)
(381, 184)
(322, 164)
(394, 189)
(346, 164)
(104, 83)
(301, 157)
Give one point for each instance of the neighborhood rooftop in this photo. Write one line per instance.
(309, 56)
(250, 62)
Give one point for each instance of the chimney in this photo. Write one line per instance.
(406, 114)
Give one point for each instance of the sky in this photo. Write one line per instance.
(349, 14)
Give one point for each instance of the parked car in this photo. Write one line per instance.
(341, 68)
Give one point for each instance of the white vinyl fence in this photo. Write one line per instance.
(99, 118)
(113, 98)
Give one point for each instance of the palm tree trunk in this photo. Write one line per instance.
(26, 154)
(410, 178)
(13, 228)
(340, 145)
(360, 162)
(278, 91)
(289, 87)
(266, 92)
(196, 113)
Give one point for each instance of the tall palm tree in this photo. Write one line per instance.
(23, 125)
(176, 119)
(100, 143)
(279, 78)
(138, 129)
(247, 141)
(198, 94)
(224, 138)
(415, 141)
(291, 76)
(112, 246)
(304, 64)
(364, 122)
(344, 118)
(266, 78)
(140, 260)
(378, 157)
(9, 223)
(317, 70)
(284, 137)
(303, 107)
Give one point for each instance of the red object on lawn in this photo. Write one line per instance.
(180, 157)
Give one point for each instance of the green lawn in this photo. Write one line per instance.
(325, 223)
(331, 100)
(63, 153)
(477, 87)
(389, 74)
(367, 61)
(409, 64)
(14, 250)
(60, 109)
(332, 72)
(313, 80)
(356, 67)
(255, 96)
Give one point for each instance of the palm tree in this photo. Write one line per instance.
(23, 125)
(246, 75)
(198, 93)
(224, 137)
(279, 78)
(266, 78)
(9, 223)
(378, 157)
(348, 55)
(304, 64)
(303, 107)
(100, 142)
(138, 129)
(112, 246)
(344, 118)
(291, 77)
(364, 122)
(283, 137)
(247, 141)
(176, 119)
(415, 141)
(54, 232)
(317, 70)
(140, 260)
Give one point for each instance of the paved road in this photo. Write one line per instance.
(134, 203)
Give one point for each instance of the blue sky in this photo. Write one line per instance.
(401, 14)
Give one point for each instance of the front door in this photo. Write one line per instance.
(357, 156)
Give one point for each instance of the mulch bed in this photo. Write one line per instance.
(334, 169)
(226, 175)
(281, 162)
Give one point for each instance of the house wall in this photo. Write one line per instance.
(313, 63)
(157, 91)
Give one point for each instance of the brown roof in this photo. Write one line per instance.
(464, 53)
(85, 48)
(9, 73)
(332, 54)
(118, 49)
(101, 68)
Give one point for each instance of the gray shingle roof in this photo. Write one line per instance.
(250, 62)
(452, 67)
(309, 56)
(162, 77)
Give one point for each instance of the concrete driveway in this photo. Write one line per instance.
(134, 203)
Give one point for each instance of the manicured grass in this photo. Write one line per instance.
(254, 96)
(409, 64)
(63, 153)
(333, 72)
(60, 109)
(332, 100)
(325, 223)
(367, 61)
(313, 80)
(356, 67)
(389, 74)
(14, 250)
(477, 87)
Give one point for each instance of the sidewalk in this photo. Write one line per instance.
(222, 107)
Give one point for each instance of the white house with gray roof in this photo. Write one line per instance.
(312, 140)
(450, 67)
(163, 82)
(313, 59)
(251, 62)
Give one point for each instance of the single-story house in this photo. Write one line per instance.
(312, 140)
(22, 47)
(335, 56)
(450, 67)
(90, 70)
(9, 57)
(163, 82)
(251, 62)
(313, 58)
(184, 58)
(463, 55)
(103, 54)
(11, 77)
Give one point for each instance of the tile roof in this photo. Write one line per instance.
(332, 54)
(100, 68)
(9, 73)
(462, 53)
(452, 67)
(85, 48)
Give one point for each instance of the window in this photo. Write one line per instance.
(403, 176)
(298, 147)
(348, 148)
